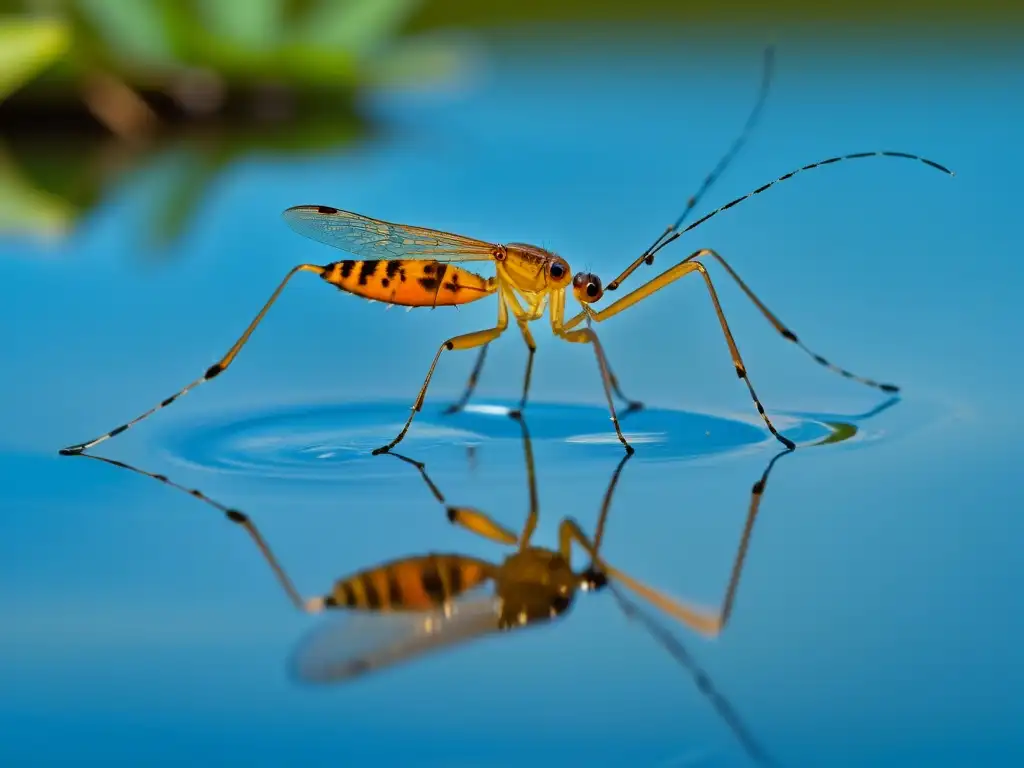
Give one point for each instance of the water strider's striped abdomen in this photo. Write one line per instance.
(409, 282)
(413, 584)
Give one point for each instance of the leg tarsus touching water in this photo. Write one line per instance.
(464, 341)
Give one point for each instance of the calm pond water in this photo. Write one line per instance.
(878, 619)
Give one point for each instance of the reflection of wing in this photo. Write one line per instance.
(374, 239)
(357, 642)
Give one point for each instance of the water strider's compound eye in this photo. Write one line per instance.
(557, 271)
(587, 287)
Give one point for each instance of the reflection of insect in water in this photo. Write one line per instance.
(414, 267)
(405, 608)
(399, 609)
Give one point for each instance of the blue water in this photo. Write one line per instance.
(877, 621)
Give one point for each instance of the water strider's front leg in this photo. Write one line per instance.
(531, 346)
(632, 406)
(522, 320)
(587, 336)
(686, 267)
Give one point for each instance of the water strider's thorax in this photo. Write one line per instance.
(534, 270)
(535, 585)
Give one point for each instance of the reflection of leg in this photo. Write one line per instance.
(235, 516)
(699, 619)
(474, 377)
(607, 503)
(531, 485)
(469, 518)
(671, 643)
(741, 553)
(706, 621)
(465, 341)
(481, 524)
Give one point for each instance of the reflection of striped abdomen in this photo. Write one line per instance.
(411, 283)
(412, 584)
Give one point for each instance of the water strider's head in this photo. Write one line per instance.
(587, 287)
(537, 585)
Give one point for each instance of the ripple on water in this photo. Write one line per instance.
(333, 442)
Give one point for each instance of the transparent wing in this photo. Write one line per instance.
(374, 239)
(354, 643)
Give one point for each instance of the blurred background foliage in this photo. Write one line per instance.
(978, 18)
(91, 89)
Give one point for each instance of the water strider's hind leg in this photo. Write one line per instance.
(214, 370)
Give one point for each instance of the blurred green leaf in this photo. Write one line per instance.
(357, 26)
(26, 210)
(221, 80)
(27, 47)
(255, 24)
(131, 32)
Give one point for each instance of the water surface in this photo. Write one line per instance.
(876, 622)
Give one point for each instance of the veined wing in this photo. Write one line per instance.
(375, 239)
(354, 643)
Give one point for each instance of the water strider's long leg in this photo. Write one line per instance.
(587, 336)
(523, 319)
(211, 372)
(683, 268)
(779, 326)
(235, 516)
(531, 345)
(465, 341)
(632, 406)
(474, 377)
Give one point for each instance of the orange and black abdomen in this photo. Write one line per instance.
(412, 584)
(411, 283)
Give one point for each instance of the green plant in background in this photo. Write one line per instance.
(28, 46)
(91, 88)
